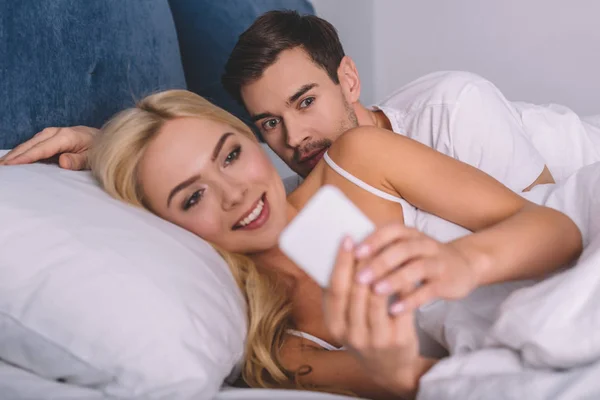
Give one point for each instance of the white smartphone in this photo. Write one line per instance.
(314, 236)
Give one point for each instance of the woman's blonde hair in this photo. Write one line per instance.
(114, 158)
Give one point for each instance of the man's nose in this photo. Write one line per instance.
(296, 133)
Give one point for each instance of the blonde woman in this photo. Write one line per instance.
(199, 167)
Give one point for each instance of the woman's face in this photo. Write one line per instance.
(215, 182)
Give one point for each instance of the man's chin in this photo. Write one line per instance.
(307, 166)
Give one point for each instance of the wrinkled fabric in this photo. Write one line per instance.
(528, 340)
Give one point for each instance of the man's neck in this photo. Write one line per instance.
(368, 117)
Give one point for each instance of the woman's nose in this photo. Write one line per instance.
(234, 193)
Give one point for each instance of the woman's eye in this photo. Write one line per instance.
(234, 155)
(193, 199)
(307, 102)
(270, 124)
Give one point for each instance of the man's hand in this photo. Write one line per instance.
(69, 144)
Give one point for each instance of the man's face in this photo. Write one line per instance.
(298, 109)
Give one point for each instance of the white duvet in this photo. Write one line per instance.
(527, 340)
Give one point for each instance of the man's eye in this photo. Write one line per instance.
(307, 102)
(270, 124)
(193, 199)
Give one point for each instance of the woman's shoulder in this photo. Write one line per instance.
(358, 140)
(367, 151)
(366, 144)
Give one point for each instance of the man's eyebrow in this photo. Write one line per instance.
(257, 117)
(194, 178)
(300, 92)
(290, 100)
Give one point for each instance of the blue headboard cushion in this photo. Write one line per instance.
(71, 62)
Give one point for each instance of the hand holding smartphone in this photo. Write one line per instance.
(313, 238)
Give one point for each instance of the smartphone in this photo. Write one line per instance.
(313, 238)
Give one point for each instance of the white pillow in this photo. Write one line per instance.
(102, 294)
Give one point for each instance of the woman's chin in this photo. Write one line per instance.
(253, 243)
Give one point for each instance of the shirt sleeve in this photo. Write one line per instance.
(485, 131)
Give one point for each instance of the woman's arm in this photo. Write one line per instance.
(332, 370)
(382, 359)
(341, 370)
(515, 239)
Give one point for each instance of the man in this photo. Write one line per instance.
(302, 92)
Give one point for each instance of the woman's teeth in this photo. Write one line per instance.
(254, 214)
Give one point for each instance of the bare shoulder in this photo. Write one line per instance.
(370, 152)
(360, 141)
(371, 143)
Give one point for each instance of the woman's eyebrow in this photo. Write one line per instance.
(191, 180)
(220, 144)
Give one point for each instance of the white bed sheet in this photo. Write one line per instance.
(18, 384)
(270, 394)
(593, 120)
(537, 341)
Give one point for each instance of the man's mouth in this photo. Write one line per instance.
(255, 217)
(312, 159)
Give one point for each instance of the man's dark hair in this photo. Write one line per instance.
(276, 31)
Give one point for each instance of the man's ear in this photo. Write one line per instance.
(349, 80)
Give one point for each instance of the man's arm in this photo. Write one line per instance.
(545, 177)
(69, 145)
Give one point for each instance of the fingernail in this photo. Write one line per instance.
(383, 288)
(365, 276)
(397, 308)
(362, 251)
(347, 244)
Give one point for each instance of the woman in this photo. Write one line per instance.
(197, 166)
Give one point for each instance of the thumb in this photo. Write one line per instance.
(343, 269)
(341, 277)
(72, 161)
(337, 294)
